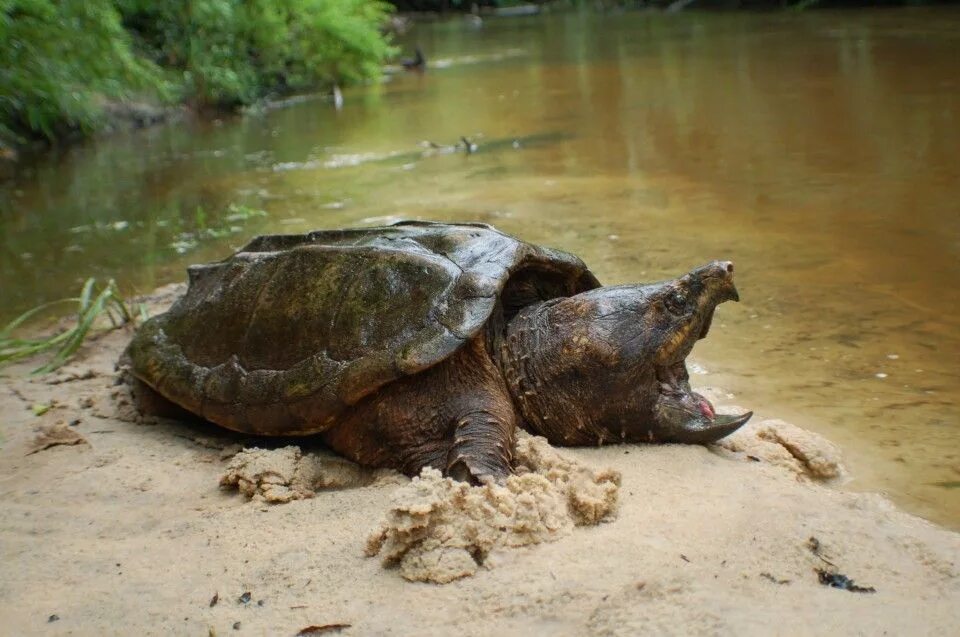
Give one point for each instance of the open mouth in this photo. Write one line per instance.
(687, 416)
(681, 414)
(675, 384)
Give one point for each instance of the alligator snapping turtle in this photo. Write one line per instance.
(426, 344)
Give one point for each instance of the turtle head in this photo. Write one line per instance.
(677, 314)
(614, 359)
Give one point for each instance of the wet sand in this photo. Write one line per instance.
(130, 532)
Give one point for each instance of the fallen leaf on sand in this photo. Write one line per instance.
(40, 409)
(319, 630)
(56, 434)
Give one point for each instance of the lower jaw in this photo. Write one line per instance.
(681, 414)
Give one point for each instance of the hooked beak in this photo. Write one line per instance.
(701, 430)
(718, 278)
(682, 415)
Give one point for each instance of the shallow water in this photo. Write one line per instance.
(820, 152)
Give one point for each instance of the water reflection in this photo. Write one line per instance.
(817, 151)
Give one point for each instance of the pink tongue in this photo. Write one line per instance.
(705, 407)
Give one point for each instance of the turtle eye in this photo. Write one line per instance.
(676, 302)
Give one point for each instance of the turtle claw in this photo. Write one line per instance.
(460, 471)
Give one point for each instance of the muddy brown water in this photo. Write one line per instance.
(820, 152)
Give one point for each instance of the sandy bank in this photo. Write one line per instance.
(130, 532)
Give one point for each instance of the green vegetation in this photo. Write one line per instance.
(62, 62)
(90, 307)
(232, 52)
(58, 62)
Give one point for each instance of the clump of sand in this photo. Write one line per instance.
(439, 530)
(285, 474)
(782, 444)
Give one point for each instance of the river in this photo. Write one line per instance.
(820, 151)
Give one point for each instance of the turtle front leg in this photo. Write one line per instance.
(482, 447)
(456, 416)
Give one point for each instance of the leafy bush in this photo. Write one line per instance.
(234, 51)
(58, 60)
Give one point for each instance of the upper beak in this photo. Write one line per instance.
(719, 276)
(733, 294)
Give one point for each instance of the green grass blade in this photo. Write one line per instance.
(26, 316)
(118, 303)
(77, 334)
(90, 306)
(85, 294)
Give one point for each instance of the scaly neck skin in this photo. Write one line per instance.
(553, 377)
(519, 362)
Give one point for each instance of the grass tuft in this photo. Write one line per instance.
(91, 305)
